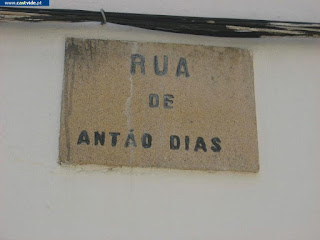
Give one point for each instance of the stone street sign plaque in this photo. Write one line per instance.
(158, 105)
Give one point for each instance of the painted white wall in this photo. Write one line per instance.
(40, 199)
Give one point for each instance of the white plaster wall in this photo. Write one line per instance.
(40, 199)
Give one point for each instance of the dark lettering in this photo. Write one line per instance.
(182, 64)
(156, 66)
(216, 146)
(83, 138)
(99, 138)
(167, 99)
(114, 136)
(200, 144)
(130, 140)
(153, 103)
(146, 140)
(137, 59)
(174, 142)
(187, 141)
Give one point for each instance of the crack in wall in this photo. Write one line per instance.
(128, 107)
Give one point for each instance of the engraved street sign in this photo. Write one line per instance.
(158, 105)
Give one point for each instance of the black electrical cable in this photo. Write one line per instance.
(218, 27)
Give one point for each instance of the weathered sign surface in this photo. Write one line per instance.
(158, 105)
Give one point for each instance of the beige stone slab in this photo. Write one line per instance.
(110, 107)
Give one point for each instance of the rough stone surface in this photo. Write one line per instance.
(210, 106)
